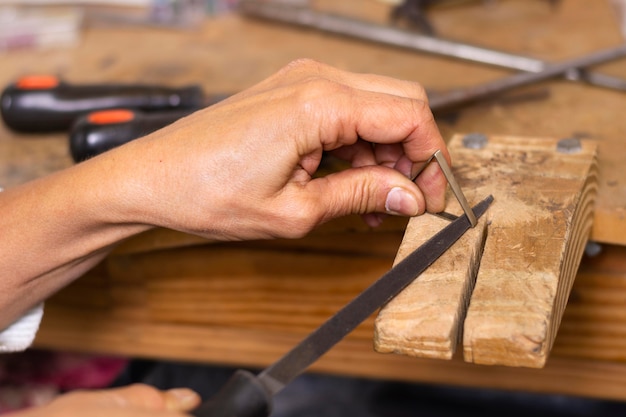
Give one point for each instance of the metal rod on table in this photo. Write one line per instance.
(347, 26)
(462, 96)
(454, 186)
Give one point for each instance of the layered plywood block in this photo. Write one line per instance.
(436, 302)
(502, 289)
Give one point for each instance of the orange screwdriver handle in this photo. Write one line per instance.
(100, 131)
(47, 104)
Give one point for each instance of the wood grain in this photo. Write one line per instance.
(426, 318)
(587, 359)
(594, 322)
(99, 331)
(246, 288)
(539, 225)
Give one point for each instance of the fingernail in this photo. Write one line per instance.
(184, 398)
(401, 202)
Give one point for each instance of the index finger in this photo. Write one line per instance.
(420, 144)
(340, 116)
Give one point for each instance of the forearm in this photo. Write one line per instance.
(54, 229)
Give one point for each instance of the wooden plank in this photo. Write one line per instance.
(246, 288)
(588, 357)
(424, 320)
(538, 232)
(99, 332)
(538, 227)
(594, 322)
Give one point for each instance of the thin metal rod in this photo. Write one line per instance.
(463, 96)
(456, 189)
(346, 26)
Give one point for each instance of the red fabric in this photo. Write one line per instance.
(35, 377)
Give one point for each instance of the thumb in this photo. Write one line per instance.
(145, 396)
(370, 189)
(133, 400)
(181, 399)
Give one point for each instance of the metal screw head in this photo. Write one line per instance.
(569, 145)
(475, 140)
(593, 249)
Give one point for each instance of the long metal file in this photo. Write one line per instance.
(247, 395)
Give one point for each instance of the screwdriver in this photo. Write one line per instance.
(44, 103)
(100, 131)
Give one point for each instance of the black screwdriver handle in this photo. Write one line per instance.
(243, 395)
(47, 104)
(98, 132)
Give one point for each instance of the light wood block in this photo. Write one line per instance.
(538, 227)
(424, 319)
(588, 356)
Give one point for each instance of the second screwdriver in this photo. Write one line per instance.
(47, 104)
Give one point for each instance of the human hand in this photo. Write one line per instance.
(133, 401)
(243, 169)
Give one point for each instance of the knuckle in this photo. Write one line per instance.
(360, 197)
(302, 219)
(422, 108)
(303, 65)
(373, 189)
(421, 113)
(149, 396)
(361, 201)
(411, 89)
(319, 97)
(316, 87)
(305, 221)
(420, 92)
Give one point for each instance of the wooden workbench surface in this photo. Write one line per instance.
(230, 53)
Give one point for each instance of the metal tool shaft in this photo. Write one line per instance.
(342, 25)
(463, 96)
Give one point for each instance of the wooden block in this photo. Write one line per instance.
(424, 319)
(538, 227)
(594, 322)
(98, 332)
(587, 359)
